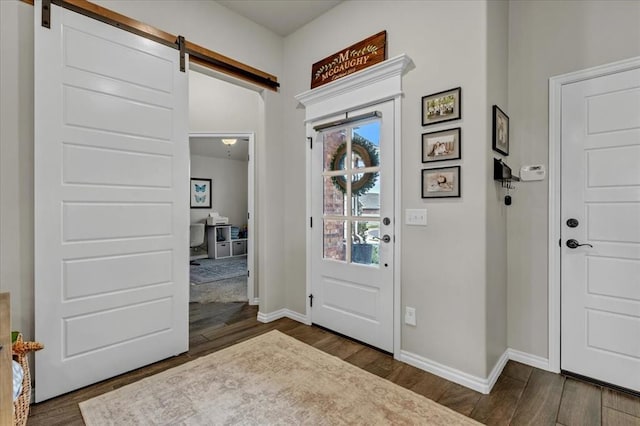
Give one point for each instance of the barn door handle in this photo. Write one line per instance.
(572, 244)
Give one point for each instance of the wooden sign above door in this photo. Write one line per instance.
(361, 55)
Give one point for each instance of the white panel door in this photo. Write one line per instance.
(601, 191)
(111, 202)
(351, 195)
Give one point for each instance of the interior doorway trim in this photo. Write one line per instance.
(555, 144)
(254, 299)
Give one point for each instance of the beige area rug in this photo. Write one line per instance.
(272, 379)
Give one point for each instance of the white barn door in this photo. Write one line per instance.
(111, 202)
(601, 228)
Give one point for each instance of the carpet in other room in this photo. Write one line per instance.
(224, 291)
(210, 270)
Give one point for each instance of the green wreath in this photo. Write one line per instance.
(369, 155)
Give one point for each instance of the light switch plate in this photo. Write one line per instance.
(416, 217)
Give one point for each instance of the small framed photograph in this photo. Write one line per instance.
(443, 182)
(200, 193)
(500, 131)
(442, 106)
(441, 146)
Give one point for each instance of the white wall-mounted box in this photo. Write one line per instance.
(533, 172)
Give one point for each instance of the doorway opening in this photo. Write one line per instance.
(220, 231)
(224, 118)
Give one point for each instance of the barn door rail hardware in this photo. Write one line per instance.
(197, 54)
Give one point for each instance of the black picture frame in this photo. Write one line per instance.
(200, 193)
(500, 140)
(432, 187)
(436, 109)
(442, 145)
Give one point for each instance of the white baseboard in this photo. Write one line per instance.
(529, 359)
(298, 317)
(470, 381)
(283, 313)
(497, 369)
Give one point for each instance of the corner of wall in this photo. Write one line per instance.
(496, 223)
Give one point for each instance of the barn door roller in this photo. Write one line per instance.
(181, 48)
(46, 13)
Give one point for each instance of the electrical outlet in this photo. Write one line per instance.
(410, 316)
(416, 217)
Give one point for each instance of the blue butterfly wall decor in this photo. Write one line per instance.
(200, 192)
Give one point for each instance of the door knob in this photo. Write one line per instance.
(572, 244)
(386, 238)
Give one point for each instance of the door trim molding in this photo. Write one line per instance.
(555, 142)
(251, 242)
(379, 83)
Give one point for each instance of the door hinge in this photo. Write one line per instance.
(46, 13)
(311, 222)
(311, 300)
(560, 242)
(310, 142)
(248, 273)
(248, 215)
(181, 47)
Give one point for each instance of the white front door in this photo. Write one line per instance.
(600, 205)
(111, 202)
(352, 227)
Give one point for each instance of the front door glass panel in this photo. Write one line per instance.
(351, 201)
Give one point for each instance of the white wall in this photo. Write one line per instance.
(219, 106)
(228, 188)
(444, 264)
(206, 23)
(16, 161)
(548, 38)
(496, 248)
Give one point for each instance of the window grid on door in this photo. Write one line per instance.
(350, 226)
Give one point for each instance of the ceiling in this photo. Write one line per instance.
(213, 147)
(280, 16)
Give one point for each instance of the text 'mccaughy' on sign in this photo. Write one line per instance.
(354, 58)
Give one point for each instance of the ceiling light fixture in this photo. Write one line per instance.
(229, 142)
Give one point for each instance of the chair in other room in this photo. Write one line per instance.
(196, 238)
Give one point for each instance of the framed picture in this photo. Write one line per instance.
(500, 131)
(442, 106)
(441, 146)
(443, 182)
(200, 193)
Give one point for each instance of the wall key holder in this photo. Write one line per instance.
(502, 173)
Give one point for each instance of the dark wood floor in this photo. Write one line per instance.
(522, 396)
